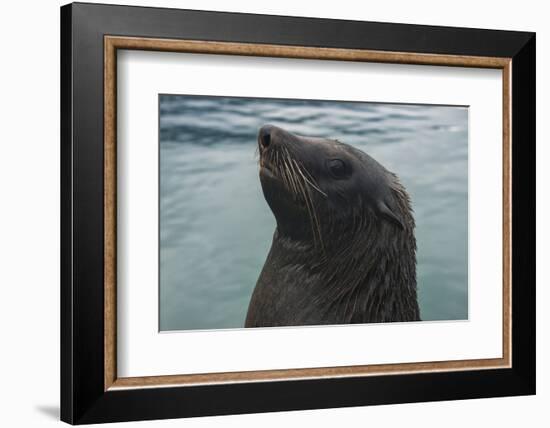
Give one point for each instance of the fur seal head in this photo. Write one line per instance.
(344, 248)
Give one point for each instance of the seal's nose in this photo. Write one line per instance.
(264, 136)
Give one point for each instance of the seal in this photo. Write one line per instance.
(344, 249)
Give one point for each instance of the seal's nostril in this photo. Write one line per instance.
(265, 138)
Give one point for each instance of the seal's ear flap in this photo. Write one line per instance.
(389, 214)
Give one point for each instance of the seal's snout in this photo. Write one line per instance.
(267, 136)
(264, 136)
(270, 136)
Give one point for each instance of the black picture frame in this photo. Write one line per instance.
(83, 397)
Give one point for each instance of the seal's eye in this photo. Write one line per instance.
(338, 168)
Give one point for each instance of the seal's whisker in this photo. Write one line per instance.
(286, 173)
(290, 160)
(314, 220)
(291, 175)
(309, 181)
(295, 178)
(306, 172)
(289, 172)
(318, 224)
(272, 155)
(294, 167)
(310, 213)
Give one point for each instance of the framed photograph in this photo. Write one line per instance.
(265, 213)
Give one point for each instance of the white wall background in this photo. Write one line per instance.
(29, 213)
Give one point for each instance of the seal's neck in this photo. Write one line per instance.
(357, 278)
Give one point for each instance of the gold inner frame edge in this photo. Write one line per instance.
(113, 43)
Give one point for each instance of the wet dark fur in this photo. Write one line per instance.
(344, 247)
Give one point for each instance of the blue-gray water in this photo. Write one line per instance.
(216, 228)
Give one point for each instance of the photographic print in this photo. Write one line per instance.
(289, 212)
